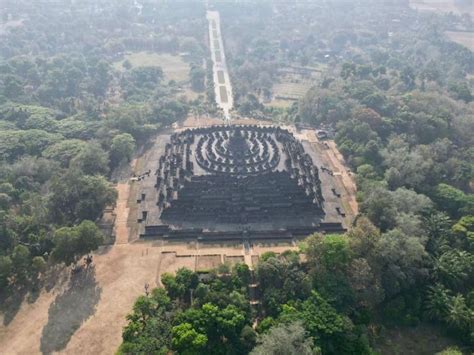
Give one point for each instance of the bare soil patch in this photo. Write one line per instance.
(208, 262)
(463, 38)
(85, 315)
(232, 260)
(440, 6)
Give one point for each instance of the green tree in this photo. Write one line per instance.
(285, 339)
(459, 315)
(461, 91)
(197, 75)
(175, 290)
(64, 151)
(38, 264)
(70, 243)
(89, 237)
(402, 260)
(437, 302)
(455, 269)
(450, 351)
(363, 238)
(453, 200)
(241, 275)
(92, 159)
(144, 308)
(247, 339)
(187, 280)
(267, 255)
(464, 232)
(280, 282)
(379, 207)
(75, 197)
(160, 297)
(122, 148)
(437, 226)
(6, 269)
(146, 76)
(64, 245)
(333, 332)
(126, 64)
(149, 327)
(21, 262)
(331, 252)
(186, 340)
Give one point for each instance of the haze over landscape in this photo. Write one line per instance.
(236, 177)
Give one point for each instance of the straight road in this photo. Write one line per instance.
(222, 85)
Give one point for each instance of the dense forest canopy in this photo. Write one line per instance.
(396, 92)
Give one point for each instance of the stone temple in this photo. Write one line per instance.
(233, 182)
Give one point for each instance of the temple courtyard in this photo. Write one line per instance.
(85, 313)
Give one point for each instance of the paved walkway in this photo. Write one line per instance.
(222, 85)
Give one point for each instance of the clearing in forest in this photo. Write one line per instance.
(463, 38)
(174, 67)
(440, 6)
(293, 85)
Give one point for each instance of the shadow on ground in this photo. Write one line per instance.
(56, 275)
(10, 304)
(104, 249)
(69, 310)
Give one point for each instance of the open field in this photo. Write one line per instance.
(440, 6)
(294, 83)
(285, 93)
(86, 313)
(174, 67)
(464, 38)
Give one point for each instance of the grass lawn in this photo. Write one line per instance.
(174, 67)
(280, 103)
(285, 93)
(291, 90)
(294, 83)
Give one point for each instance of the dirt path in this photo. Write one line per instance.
(338, 164)
(121, 229)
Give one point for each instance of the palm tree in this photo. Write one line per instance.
(438, 301)
(459, 314)
(438, 228)
(454, 268)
